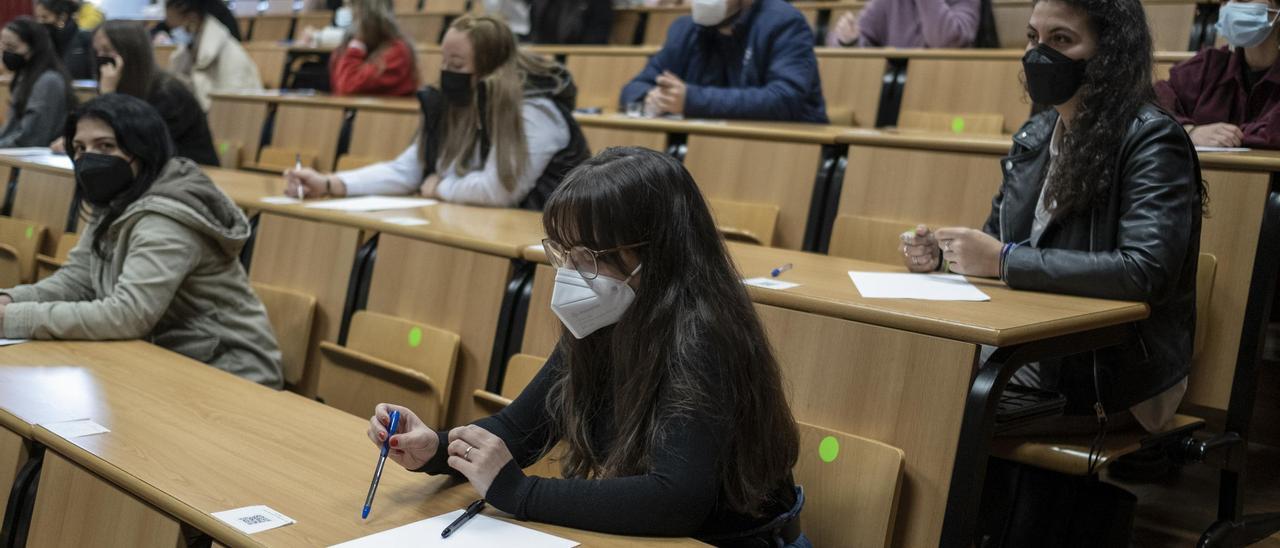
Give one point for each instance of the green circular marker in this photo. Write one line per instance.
(31, 232)
(829, 449)
(223, 146)
(415, 337)
(957, 124)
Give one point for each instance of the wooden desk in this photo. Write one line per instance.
(188, 440)
(858, 365)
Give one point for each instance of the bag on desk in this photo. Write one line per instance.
(1028, 506)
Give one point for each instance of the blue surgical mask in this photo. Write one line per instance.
(1245, 24)
(180, 36)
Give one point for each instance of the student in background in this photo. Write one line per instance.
(160, 257)
(71, 43)
(1230, 96)
(734, 59)
(1102, 197)
(40, 92)
(663, 387)
(499, 131)
(128, 66)
(206, 53)
(909, 24)
(376, 58)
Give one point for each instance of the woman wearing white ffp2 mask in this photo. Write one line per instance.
(661, 390)
(1230, 96)
(713, 13)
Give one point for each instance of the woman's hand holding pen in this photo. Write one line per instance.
(413, 443)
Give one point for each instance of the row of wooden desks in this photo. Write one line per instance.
(901, 372)
(187, 440)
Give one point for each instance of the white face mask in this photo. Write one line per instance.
(342, 17)
(585, 306)
(180, 36)
(710, 13)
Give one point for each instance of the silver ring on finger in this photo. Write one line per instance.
(467, 454)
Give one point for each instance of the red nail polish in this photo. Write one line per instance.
(395, 442)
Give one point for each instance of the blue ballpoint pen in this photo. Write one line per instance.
(382, 459)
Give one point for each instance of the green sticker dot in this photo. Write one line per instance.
(31, 232)
(957, 124)
(829, 449)
(415, 337)
(223, 147)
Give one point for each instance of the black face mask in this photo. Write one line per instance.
(1052, 78)
(13, 61)
(102, 177)
(456, 87)
(104, 60)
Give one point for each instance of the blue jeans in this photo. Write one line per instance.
(801, 542)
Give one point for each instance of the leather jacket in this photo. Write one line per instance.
(1140, 242)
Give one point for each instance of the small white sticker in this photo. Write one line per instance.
(769, 283)
(253, 519)
(406, 221)
(76, 428)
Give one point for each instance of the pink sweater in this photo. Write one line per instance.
(916, 24)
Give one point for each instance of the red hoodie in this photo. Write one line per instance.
(352, 71)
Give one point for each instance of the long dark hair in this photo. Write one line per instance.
(217, 8)
(140, 133)
(1117, 84)
(62, 7)
(131, 42)
(43, 58)
(690, 341)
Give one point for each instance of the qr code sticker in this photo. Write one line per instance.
(255, 519)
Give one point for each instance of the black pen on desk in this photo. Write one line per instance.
(466, 516)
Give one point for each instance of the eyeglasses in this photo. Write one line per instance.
(580, 258)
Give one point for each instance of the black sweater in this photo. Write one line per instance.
(188, 125)
(75, 47)
(679, 496)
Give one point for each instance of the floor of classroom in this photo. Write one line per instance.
(1176, 510)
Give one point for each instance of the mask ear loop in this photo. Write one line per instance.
(633, 273)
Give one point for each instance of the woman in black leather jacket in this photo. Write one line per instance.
(1102, 197)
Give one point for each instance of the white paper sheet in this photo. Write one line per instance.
(373, 203)
(253, 519)
(1222, 149)
(76, 428)
(928, 287)
(11, 342)
(280, 200)
(25, 151)
(405, 221)
(481, 532)
(770, 283)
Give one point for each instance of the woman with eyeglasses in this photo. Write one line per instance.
(1230, 96)
(663, 389)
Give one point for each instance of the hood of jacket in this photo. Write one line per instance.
(185, 194)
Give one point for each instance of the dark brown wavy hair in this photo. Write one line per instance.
(1117, 84)
(690, 342)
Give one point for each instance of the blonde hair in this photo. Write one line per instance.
(502, 70)
(375, 25)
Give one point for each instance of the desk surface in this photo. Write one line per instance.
(191, 440)
(496, 231)
(1011, 317)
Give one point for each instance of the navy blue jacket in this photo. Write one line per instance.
(764, 70)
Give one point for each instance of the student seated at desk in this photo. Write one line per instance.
(499, 131)
(71, 43)
(375, 58)
(40, 92)
(206, 53)
(734, 59)
(128, 66)
(1230, 97)
(160, 257)
(663, 387)
(908, 24)
(1102, 197)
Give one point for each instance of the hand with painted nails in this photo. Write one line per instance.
(412, 444)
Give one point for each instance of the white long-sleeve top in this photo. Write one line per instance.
(545, 130)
